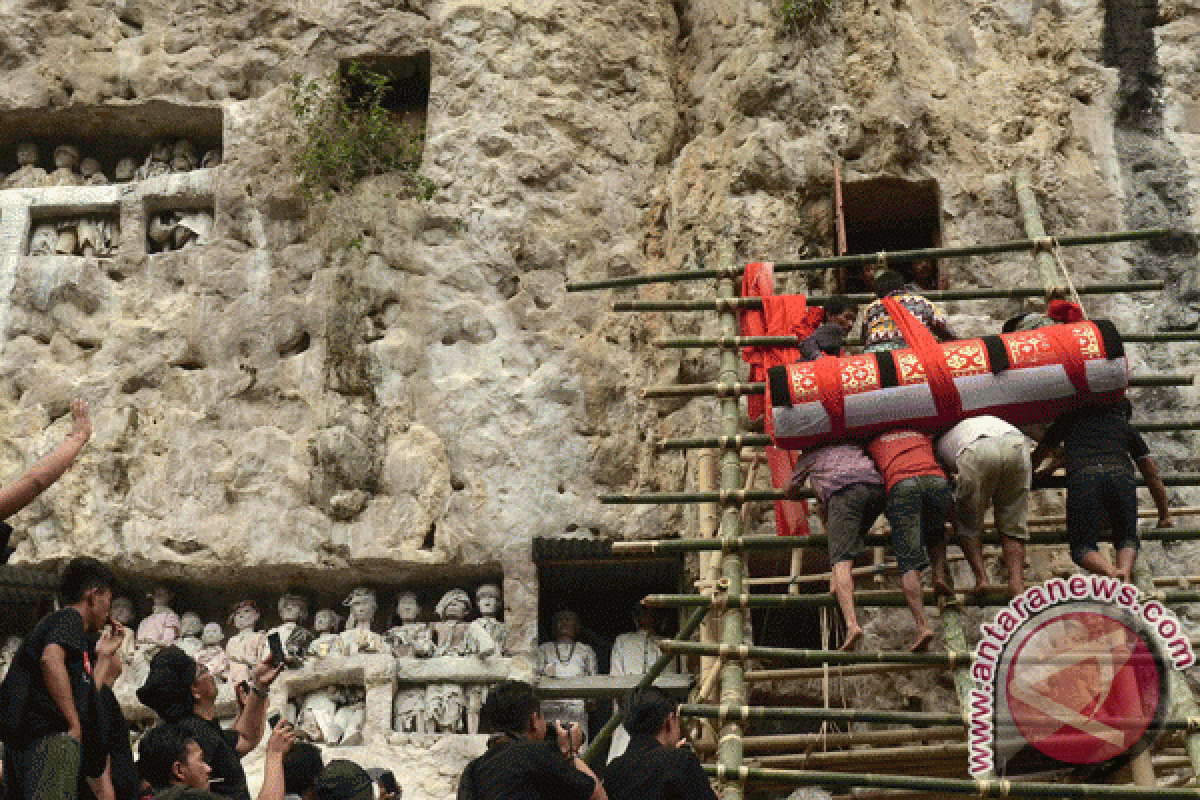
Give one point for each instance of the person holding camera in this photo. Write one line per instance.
(654, 766)
(520, 764)
(182, 691)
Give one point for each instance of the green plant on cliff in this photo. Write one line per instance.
(344, 132)
(798, 14)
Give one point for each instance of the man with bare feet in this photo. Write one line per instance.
(992, 465)
(1099, 450)
(919, 502)
(850, 498)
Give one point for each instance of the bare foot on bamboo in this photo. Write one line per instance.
(924, 639)
(853, 637)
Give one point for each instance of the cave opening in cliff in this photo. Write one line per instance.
(405, 85)
(889, 214)
(109, 134)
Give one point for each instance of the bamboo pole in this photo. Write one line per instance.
(651, 546)
(956, 640)
(648, 679)
(951, 659)
(739, 496)
(869, 715)
(710, 563)
(762, 439)
(865, 598)
(862, 760)
(757, 387)
(731, 272)
(986, 788)
(1145, 513)
(934, 295)
(847, 671)
(733, 687)
(796, 741)
(682, 342)
(1031, 220)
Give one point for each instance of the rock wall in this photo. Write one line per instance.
(375, 388)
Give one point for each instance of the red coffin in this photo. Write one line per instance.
(1026, 377)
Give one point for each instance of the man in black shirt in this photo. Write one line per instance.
(184, 692)
(1098, 445)
(48, 712)
(519, 763)
(654, 766)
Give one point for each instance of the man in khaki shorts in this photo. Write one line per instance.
(992, 466)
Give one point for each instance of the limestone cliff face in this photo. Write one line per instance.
(383, 384)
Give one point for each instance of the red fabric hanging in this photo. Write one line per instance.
(929, 353)
(780, 316)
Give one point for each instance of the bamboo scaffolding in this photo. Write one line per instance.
(651, 546)
(1031, 221)
(816, 656)
(757, 387)
(870, 715)
(792, 741)
(937, 295)
(762, 439)
(739, 496)
(683, 342)
(896, 257)
(999, 788)
(883, 598)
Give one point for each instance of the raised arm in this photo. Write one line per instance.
(35, 480)
(252, 720)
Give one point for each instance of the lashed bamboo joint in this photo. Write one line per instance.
(895, 257)
(941, 296)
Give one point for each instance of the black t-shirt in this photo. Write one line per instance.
(524, 769)
(1096, 436)
(29, 710)
(220, 753)
(648, 770)
(115, 738)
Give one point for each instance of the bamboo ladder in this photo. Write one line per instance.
(729, 594)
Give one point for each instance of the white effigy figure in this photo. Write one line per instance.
(328, 641)
(566, 657)
(487, 599)
(157, 163)
(295, 638)
(190, 628)
(634, 654)
(247, 647)
(183, 156)
(125, 171)
(44, 240)
(134, 668)
(92, 173)
(444, 704)
(453, 635)
(318, 714)
(161, 628)
(358, 636)
(351, 714)
(411, 638)
(11, 645)
(212, 652)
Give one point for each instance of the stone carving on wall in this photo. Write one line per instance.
(410, 639)
(334, 715)
(358, 636)
(92, 235)
(73, 168)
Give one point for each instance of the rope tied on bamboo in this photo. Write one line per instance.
(1193, 724)
(1002, 787)
(1044, 244)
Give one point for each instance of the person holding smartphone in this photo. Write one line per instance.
(184, 692)
(520, 763)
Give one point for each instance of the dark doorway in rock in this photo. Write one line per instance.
(405, 81)
(889, 214)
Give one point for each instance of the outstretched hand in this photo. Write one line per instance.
(282, 738)
(266, 672)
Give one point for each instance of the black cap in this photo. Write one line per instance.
(344, 780)
(168, 687)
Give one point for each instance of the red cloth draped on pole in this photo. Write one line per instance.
(929, 352)
(781, 315)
